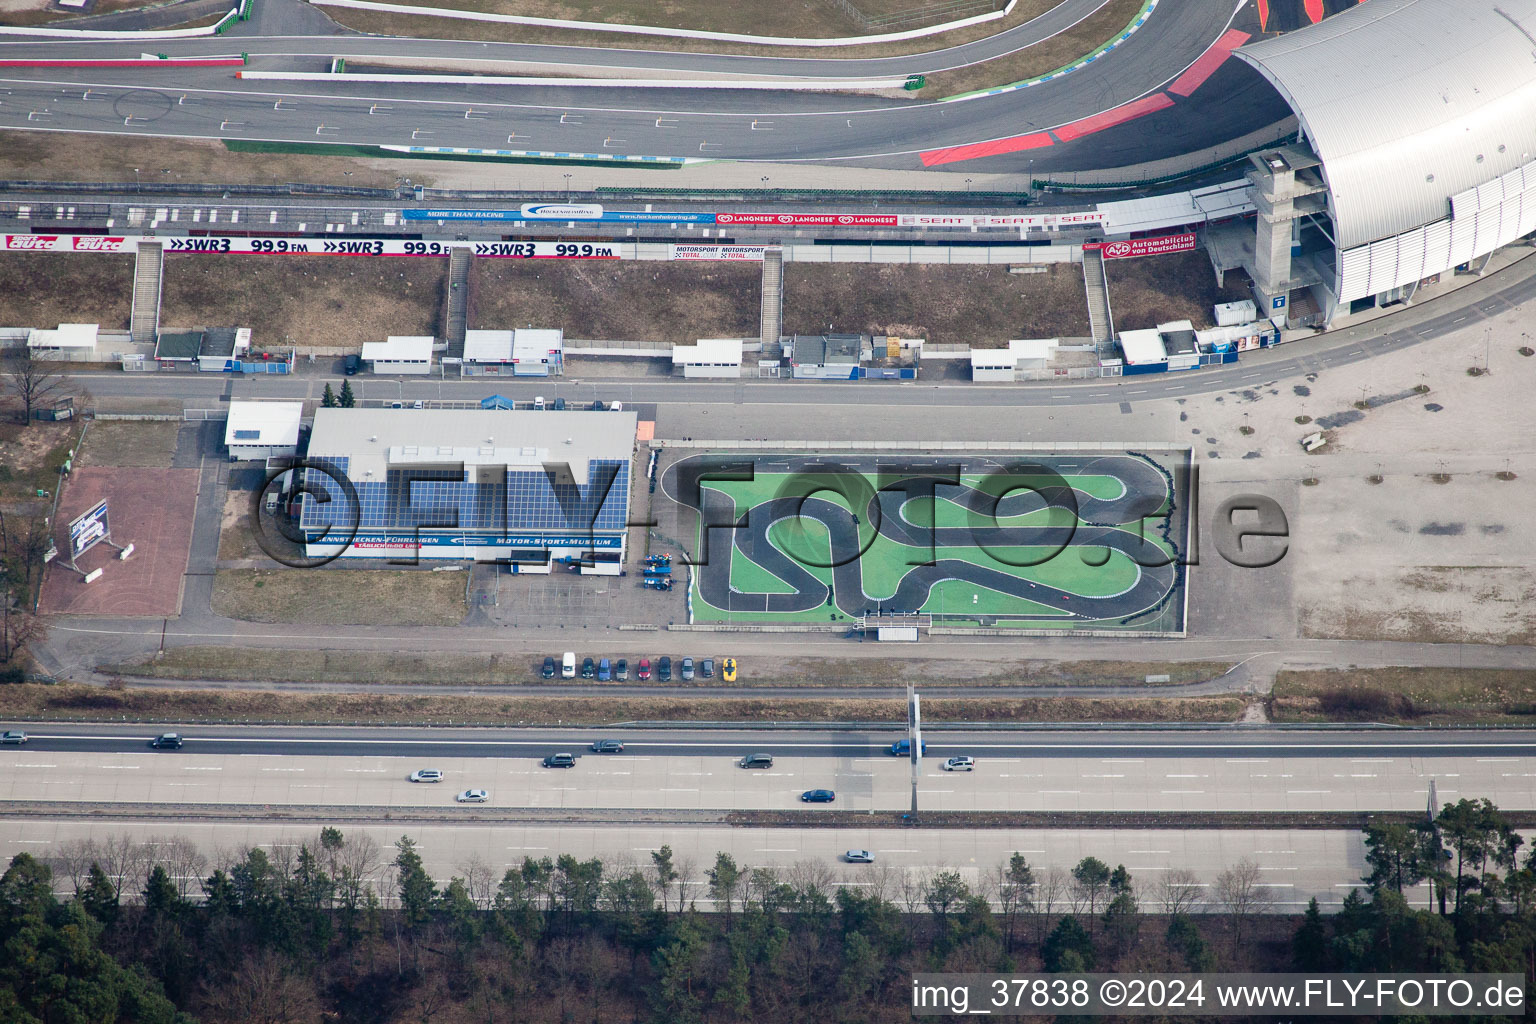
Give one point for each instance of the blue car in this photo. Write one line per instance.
(901, 748)
(604, 671)
(818, 796)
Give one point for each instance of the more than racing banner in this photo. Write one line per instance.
(69, 243)
(1143, 246)
(740, 253)
(551, 250)
(561, 211)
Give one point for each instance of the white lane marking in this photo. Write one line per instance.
(29, 765)
(119, 767)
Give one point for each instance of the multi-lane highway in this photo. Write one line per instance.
(226, 784)
(1215, 742)
(696, 124)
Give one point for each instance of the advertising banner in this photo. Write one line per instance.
(1143, 246)
(746, 253)
(557, 211)
(833, 219)
(87, 529)
(69, 243)
(394, 247)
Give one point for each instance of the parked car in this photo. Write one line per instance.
(352, 364)
(756, 761)
(859, 857)
(588, 668)
(643, 670)
(559, 405)
(549, 668)
(664, 669)
(166, 741)
(560, 761)
(597, 406)
(621, 670)
(687, 670)
(963, 763)
(707, 668)
(568, 665)
(728, 670)
(538, 403)
(473, 796)
(425, 775)
(608, 747)
(818, 796)
(604, 671)
(901, 748)
(13, 736)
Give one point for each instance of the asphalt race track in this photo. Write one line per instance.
(882, 490)
(615, 122)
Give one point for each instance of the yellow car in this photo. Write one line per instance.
(728, 670)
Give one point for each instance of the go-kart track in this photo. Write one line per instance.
(1075, 542)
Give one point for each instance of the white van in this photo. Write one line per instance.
(568, 665)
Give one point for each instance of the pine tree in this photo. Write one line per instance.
(347, 399)
(328, 399)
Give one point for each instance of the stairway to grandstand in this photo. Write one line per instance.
(1097, 287)
(773, 297)
(459, 260)
(148, 272)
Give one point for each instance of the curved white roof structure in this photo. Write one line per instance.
(1410, 102)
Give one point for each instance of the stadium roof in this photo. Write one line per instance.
(1409, 102)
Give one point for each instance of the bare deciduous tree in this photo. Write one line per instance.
(1179, 891)
(33, 382)
(72, 859)
(1240, 893)
(122, 857)
(180, 857)
(263, 990)
(479, 879)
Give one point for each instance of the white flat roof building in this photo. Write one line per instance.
(995, 364)
(709, 357)
(74, 338)
(1143, 348)
(400, 354)
(263, 430)
(488, 346)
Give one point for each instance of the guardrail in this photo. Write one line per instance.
(46, 31)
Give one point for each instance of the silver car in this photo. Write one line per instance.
(425, 775)
(473, 796)
(859, 857)
(963, 763)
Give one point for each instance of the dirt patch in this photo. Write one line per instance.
(48, 289)
(88, 703)
(341, 597)
(126, 443)
(30, 456)
(149, 508)
(673, 302)
(1153, 290)
(236, 540)
(804, 19)
(327, 301)
(979, 306)
(1422, 696)
(36, 12)
(1044, 57)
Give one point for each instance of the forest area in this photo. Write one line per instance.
(338, 930)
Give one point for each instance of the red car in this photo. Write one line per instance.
(644, 671)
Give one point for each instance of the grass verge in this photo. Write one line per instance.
(71, 702)
(431, 27)
(340, 597)
(263, 665)
(1408, 696)
(1044, 57)
(47, 289)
